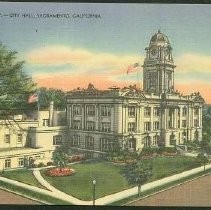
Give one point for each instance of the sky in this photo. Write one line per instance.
(72, 51)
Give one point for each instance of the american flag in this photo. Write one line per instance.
(33, 98)
(132, 68)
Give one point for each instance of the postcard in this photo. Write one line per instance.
(105, 104)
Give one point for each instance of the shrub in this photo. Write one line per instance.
(41, 165)
(76, 158)
(149, 150)
(49, 163)
(169, 149)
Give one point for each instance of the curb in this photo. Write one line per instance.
(168, 188)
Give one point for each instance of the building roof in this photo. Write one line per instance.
(159, 39)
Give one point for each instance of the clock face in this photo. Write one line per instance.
(154, 52)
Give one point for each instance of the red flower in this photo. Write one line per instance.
(60, 172)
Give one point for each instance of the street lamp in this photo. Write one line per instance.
(94, 184)
(205, 155)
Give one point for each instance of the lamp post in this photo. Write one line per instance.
(94, 184)
(205, 155)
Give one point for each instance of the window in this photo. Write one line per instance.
(196, 123)
(147, 126)
(171, 112)
(132, 144)
(147, 111)
(172, 139)
(20, 138)
(196, 111)
(184, 111)
(45, 122)
(196, 135)
(89, 142)
(90, 110)
(90, 126)
(57, 140)
(131, 111)
(105, 111)
(151, 78)
(178, 112)
(7, 138)
(155, 140)
(156, 125)
(20, 162)
(7, 163)
(131, 127)
(106, 126)
(170, 123)
(105, 144)
(178, 123)
(184, 123)
(77, 124)
(156, 111)
(76, 140)
(147, 141)
(77, 110)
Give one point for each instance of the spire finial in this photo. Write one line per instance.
(159, 31)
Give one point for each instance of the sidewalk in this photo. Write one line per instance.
(106, 199)
(126, 193)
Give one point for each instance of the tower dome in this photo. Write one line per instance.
(159, 39)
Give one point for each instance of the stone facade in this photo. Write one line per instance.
(158, 115)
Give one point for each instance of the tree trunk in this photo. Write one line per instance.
(139, 190)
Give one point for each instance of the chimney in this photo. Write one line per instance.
(51, 114)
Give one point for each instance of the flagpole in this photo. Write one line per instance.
(38, 109)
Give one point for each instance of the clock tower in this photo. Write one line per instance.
(158, 67)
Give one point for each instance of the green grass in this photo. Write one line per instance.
(108, 177)
(35, 195)
(22, 175)
(167, 166)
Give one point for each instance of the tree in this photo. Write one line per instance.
(51, 94)
(15, 85)
(202, 158)
(138, 173)
(60, 157)
(206, 122)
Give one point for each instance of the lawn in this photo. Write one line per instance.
(109, 177)
(22, 175)
(167, 166)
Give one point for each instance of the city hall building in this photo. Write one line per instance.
(158, 115)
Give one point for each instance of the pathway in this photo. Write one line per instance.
(52, 191)
(125, 193)
(57, 193)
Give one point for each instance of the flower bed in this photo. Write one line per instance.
(60, 172)
(76, 158)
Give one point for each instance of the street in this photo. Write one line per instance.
(194, 193)
(10, 198)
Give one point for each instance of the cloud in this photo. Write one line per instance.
(195, 86)
(193, 63)
(81, 60)
(67, 68)
(68, 82)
